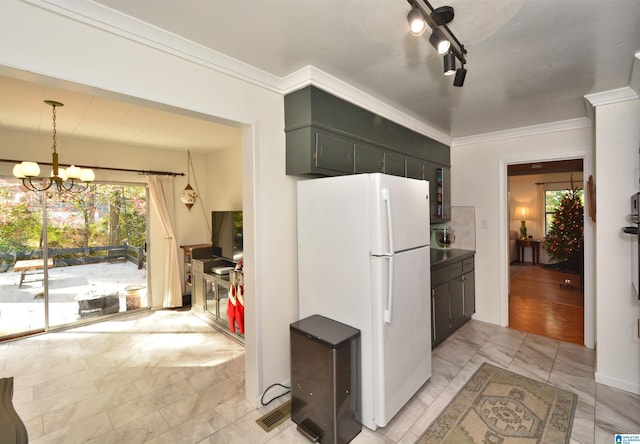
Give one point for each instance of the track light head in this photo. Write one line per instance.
(461, 73)
(449, 64)
(439, 41)
(417, 24)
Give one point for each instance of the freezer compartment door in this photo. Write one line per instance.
(402, 344)
(400, 213)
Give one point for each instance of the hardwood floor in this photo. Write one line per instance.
(546, 302)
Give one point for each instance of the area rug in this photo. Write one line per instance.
(499, 406)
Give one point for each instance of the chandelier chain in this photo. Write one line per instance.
(53, 148)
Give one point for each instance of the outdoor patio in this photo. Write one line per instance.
(22, 308)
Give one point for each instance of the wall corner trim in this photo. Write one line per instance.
(612, 96)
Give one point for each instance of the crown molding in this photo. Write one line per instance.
(116, 23)
(563, 125)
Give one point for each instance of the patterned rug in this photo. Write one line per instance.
(499, 406)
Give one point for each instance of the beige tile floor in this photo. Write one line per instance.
(166, 377)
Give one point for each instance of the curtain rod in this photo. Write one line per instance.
(548, 183)
(142, 172)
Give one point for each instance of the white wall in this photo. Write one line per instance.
(616, 178)
(479, 178)
(87, 55)
(223, 171)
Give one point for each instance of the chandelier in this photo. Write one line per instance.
(64, 179)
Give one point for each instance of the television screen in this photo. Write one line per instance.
(226, 233)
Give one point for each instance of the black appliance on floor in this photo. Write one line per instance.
(325, 379)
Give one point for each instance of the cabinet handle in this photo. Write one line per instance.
(433, 313)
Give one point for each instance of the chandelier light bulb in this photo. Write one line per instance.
(73, 172)
(87, 175)
(17, 171)
(30, 169)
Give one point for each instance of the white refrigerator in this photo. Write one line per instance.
(363, 260)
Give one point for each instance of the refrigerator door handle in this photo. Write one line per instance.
(387, 310)
(389, 256)
(387, 200)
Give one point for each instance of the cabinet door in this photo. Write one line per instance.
(415, 168)
(394, 164)
(198, 292)
(469, 300)
(211, 305)
(223, 289)
(368, 159)
(456, 302)
(333, 153)
(440, 315)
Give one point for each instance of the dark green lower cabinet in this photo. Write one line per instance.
(452, 297)
(440, 314)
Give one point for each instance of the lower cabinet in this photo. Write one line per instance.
(210, 297)
(452, 297)
(216, 290)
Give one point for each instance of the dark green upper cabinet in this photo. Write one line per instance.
(326, 154)
(368, 159)
(328, 136)
(394, 164)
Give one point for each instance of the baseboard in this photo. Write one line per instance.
(627, 386)
(486, 319)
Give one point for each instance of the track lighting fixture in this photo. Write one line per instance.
(422, 14)
(449, 64)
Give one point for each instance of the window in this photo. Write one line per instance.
(552, 199)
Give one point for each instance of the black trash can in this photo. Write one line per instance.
(325, 379)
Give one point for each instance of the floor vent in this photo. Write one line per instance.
(275, 417)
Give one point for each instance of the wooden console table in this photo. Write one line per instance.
(30, 265)
(535, 249)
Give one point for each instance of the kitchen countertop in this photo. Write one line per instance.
(441, 256)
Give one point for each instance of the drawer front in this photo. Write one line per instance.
(198, 266)
(439, 276)
(467, 265)
(455, 269)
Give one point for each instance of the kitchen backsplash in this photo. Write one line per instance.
(463, 226)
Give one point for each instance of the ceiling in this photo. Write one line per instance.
(530, 62)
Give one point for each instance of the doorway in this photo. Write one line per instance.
(545, 290)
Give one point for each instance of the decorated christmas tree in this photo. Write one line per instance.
(565, 239)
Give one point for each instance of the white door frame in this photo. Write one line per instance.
(589, 239)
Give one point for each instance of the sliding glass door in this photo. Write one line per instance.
(21, 216)
(89, 263)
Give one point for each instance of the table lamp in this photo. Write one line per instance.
(522, 214)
